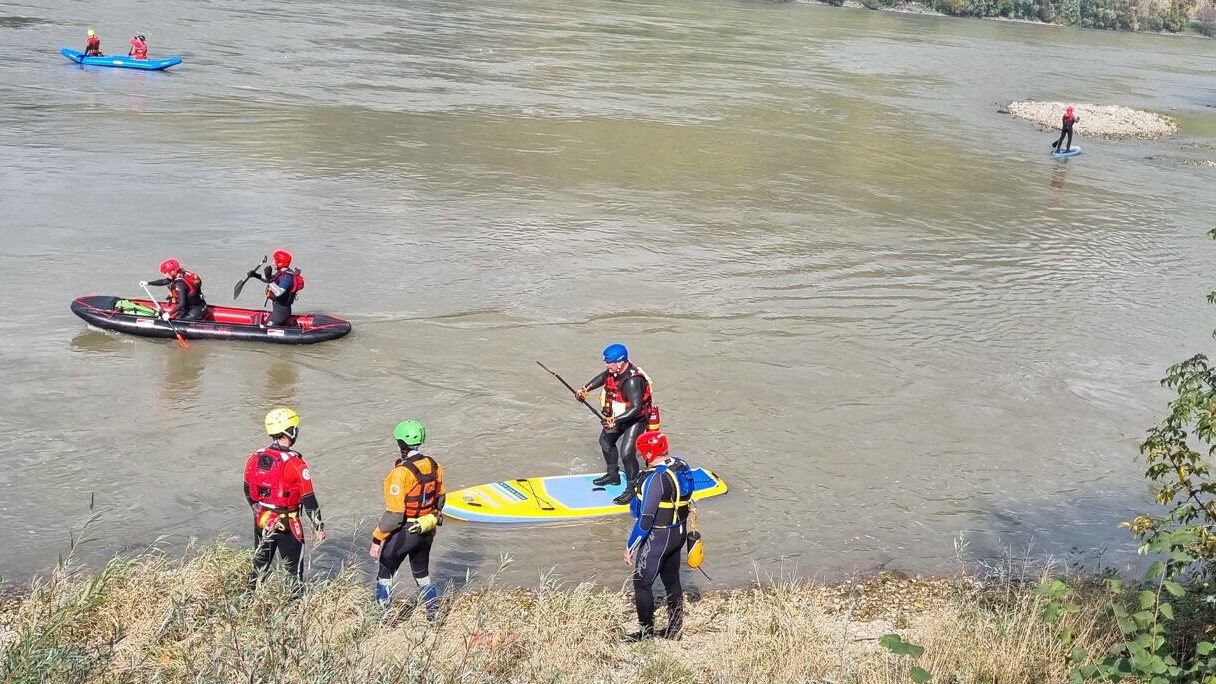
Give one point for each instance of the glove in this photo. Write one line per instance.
(581, 393)
(143, 283)
(424, 524)
(609, 423)
(267, 271)
(164, 315)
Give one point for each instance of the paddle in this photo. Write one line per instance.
(180, 340)
(598, 416)
(236, 291)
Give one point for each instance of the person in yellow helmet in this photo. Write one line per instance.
(413, 506)
(278, 485)
(92, 46)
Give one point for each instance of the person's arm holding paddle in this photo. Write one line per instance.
(594, 383)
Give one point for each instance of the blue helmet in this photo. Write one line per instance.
(615, 352)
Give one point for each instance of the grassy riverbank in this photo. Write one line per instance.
(151, 618)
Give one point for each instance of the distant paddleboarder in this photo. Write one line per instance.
(1066, 130)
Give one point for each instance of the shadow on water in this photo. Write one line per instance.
(96, 341)
(183, 373)
(282, 383)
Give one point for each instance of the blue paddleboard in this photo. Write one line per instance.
(120, 61)
(1071, 153)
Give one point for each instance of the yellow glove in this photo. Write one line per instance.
(424, 524)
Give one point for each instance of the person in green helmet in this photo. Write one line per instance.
(413, 507)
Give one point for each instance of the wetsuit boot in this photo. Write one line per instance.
(610, 479)
(626, 496)
(646, 632)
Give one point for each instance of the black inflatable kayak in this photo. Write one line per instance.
(138, 317)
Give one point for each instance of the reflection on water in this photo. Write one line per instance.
(282, 383)
(183, 372)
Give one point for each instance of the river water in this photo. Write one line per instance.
(869, 301)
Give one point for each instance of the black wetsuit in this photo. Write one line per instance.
(1065, 130)
(656, 551)
(281, 290)
(187, 307)
(629, 425)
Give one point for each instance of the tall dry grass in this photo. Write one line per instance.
(150, 618)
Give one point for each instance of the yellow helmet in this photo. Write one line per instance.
(280, 420)
(91, 33)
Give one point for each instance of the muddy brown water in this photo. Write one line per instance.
(870, 302)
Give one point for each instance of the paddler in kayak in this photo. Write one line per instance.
(92, 46)
(281, 287)
(185, 292)
(139, 48)
(626, 404)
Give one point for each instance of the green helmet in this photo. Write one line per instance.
(410, 433)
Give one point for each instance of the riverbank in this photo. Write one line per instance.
(153, 618)
(1196, 18)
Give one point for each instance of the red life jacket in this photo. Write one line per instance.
(612, 400)
(297, 281)
(139, 49)
(420, 500)
(92, 46)
(266, 482)
(194, 285)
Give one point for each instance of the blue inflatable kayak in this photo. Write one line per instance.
(1070, 153)
(120, 61)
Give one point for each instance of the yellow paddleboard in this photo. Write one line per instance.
(562, 497)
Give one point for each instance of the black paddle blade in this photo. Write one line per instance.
(240, 285)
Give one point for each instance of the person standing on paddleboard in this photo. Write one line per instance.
(413, 506)
(185, 292)
(139, 48)
(1066, 130)
(92, 46)
(660, 504)
(278, 485)
(626, 404)
(281, 287)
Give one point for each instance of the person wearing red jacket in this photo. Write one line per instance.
(92, 46)
(139, 48)
(278, 486)
(1066, 130)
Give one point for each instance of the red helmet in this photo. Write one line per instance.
(170, 266)
(652, 444)
(1070, 110)
(282, 259)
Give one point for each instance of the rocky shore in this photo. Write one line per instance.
(1111, 122)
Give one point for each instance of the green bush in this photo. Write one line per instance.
(953, 7)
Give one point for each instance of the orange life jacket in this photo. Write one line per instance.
(421, 499)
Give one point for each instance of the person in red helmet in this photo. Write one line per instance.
(1066, 130)
(185, 292)
(92, 46)
(282, 286)
(661, 502)
(139, 47)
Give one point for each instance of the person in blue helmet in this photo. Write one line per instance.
(626, 405)
(660, 505)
